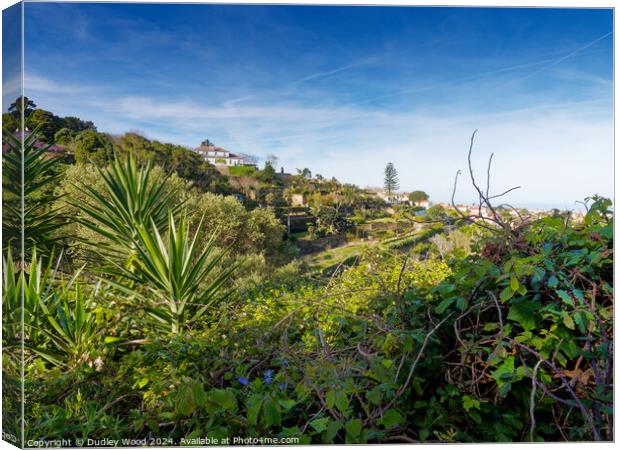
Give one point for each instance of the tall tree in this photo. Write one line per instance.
(391, 179)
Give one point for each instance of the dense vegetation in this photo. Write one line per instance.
(157, 308)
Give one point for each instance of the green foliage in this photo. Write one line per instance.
(92, 146)
(331, 220)
(540, 284)
(252, 232)
(65, 137)
(36, 217)
(185, 279)
(46, 122)
(10, 122)
(242, 171)
(59, 322)
(69, 327)
(286, 362)
(135, 199)
(268, 174)
(15, 286)
(174, 159)
(456, 243)
(418, 196)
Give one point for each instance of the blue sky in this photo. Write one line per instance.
(11, 54)
(344, 90)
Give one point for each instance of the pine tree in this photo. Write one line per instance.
(391, 179)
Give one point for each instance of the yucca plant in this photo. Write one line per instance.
(132, 198)
(34, 285)
(58, 318)
(68, 324)
(185, 280)
(40, 219)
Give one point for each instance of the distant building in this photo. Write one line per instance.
(298, 200)
(422, 203)
(221, 157)
(394, 198)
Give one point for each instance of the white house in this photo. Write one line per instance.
(394, 199)
(219, 156)
(422, 203)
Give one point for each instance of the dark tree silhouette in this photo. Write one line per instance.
(20, 103)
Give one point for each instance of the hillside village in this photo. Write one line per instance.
(241, 165)
(319, 215)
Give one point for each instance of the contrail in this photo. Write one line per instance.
(552, 62)
(565, 57)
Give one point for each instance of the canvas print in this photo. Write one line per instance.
(305, 225)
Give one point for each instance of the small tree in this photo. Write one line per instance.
(272, 160)
(304, 173)
(65, 137)
(267, 174)
(391, 179)
(418, 196)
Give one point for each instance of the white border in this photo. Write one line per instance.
(479, 3)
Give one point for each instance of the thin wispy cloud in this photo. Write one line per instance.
(11, 89)
(342, 94)
(34, 84)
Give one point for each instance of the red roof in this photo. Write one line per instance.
(212, 148)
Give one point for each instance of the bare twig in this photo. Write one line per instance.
(533, 400)
(567, 386)
(489, 175)
(504, 193)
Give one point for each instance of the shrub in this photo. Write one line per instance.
(242, 171)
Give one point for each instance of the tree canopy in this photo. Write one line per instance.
(418, 196)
